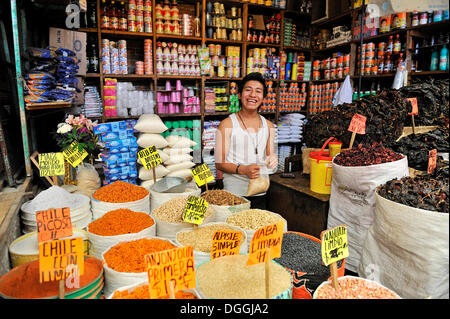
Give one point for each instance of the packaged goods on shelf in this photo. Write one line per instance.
(110, 97)
(119, 153)
(216, 98)
(228, 65)
(177, 99)
(269, 32)
(92, 106)
(170, 20)
(114, 57)
(321, 97)
(264, 61)
(290, 128)
(177, 59)
(292, 66)
(270, 101)
(223, 23)
(295, 36)
(136, 16)
(234, 99)
(292, 99)
(209, 143)
(333, 68)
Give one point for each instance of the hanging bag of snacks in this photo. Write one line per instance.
(356, 174)
(407, 247)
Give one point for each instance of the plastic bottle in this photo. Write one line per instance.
(104, 15)
(443, 59)
(397, 44)
(434, 60)
(113, 16)
(123, 17)
(390, 44)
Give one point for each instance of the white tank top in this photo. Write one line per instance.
(242, 151)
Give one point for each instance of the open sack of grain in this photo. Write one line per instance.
(356, 174)
(201, 239)
(407, 247)
(251, 220)
(141, 291)
(124, 263)
(169, 217)
(116, 226)
(229, 277)
(224, 203)
(157, 198)
(119, 195)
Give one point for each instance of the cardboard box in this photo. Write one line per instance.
(72, 40)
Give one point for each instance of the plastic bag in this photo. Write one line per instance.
(344, 94)
(88, 180)
(261, 184)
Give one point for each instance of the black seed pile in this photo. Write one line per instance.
(302, 254)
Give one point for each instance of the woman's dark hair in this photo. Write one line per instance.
(254, 76)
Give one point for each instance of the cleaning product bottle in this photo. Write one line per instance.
(434, 60)
(443, 59)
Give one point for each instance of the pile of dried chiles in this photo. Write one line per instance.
(429, 192)
(432, 98)
(417, 146)
(385, 115)
(367, 154)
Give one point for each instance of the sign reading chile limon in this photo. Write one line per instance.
(149, 157)
(74, 155)
(202, 174)
(195, 209)
(334, 244)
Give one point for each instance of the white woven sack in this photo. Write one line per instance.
(251, 232)
(145, 140)
(157, 199)
(183, 173)
(177, 151)
(164, 157)
(176, 141)
(100, 208)
(115, 279)
(147, 174)
(352, 200)
(131, 288)
(221, 213)
(99, 244)
(176, 159)
(200, 256)
(150, 123)
(407, 250)
(182, 165)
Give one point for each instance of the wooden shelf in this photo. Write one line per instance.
(323, 80)
(47, 105)
(217, 113)
(208, 40)
(92, 75)
(218, 78)
(179, 115)
(127, 33)
(88, 30)
(380, 36)
(177, 37)
(296, 49)
(431, 27)
(388, 75)
(178, 77)
(429, 73)
(129, 76)
(332, 48)
(257, 44)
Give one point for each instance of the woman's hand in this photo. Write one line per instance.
(251, 171)
(272, 161)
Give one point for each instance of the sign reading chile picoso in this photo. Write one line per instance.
(334, 244)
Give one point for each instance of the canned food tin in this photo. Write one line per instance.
(316, 65)
(327, 74)
(374, 70)
(346, 70)
(332, 74)
(333, 63)
(131, 26)
(218, 49)
(212, 49)
(316, 75)
(346, 60)
(339, 73)
(340, 61)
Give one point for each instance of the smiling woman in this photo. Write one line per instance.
(245, 141)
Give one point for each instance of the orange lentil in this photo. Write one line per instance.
(120, 192)
(129, 256)
(119, 222)
(142, 292)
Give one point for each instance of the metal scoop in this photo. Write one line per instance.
(170, 184)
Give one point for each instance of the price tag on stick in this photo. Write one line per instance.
(202, 175)
(266, 245)
(432, 159)
(170, 271)
(195, 209)
(415, 111)
(334, 248)
(75, 154)
(53, 224)
(357, 126)
(225, 243)
(150, 159)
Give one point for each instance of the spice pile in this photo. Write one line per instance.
(22, 282)
(417, 146)
(221, 198)
(253, 219)
(172, 210)
(119, 222)
(302, 254)
(386, 113)
(120, 192)
(229, 277)
(432, 98)
(423, 191)
(142, 292)
(201, 238)
(129, 256)
(366, 155)
(355, 288)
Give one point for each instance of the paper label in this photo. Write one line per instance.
(415, 108)
(73, 155)
(358, 124)
(334, 244)
(176, 265)
(432, 159)
(202, 173)
(149, 157)
(51, 164)
(265, 239)
(53, 224)
(225, 243)
(195, 209)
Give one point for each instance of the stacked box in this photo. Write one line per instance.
(119, 153)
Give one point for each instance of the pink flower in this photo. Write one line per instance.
(69, 119)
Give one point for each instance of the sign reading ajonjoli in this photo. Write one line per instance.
(174, 266)
(56, 255)
(225, 243)
(149, 157)
(334, 244)
(202, 174)
(51, 164)
(75, 154)
(195, 209)
(53, 224)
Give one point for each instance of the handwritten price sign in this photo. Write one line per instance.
(51, 164)
(432, 159)
(195, 209)
(225, 243)
(415, 108)
(75, 154)
(358, 124)
(202, 174)
(149, 157)
(334, 244)
(53, 224)
(266, 244)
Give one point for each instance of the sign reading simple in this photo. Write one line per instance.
(225, 243)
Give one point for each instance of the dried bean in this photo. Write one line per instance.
(367, 154)
(253, 219)
(172, 210)
(221, 198)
